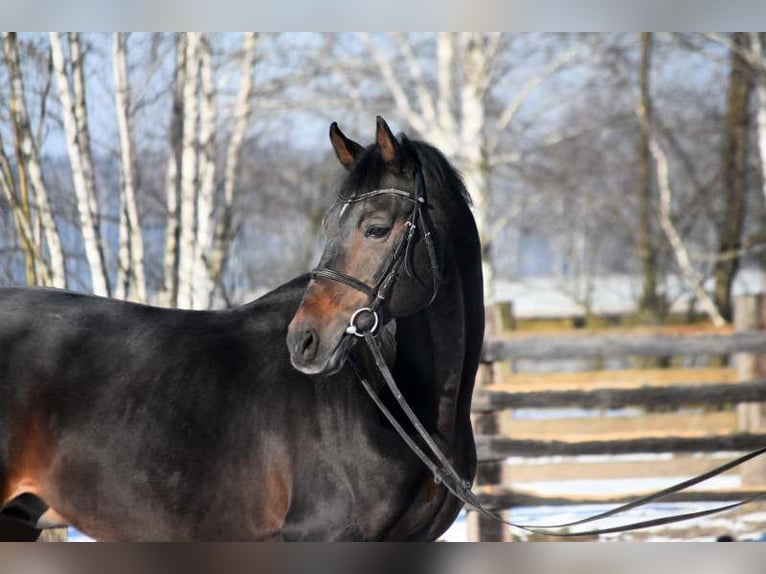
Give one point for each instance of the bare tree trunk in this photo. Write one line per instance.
(689, 274)
(55, 274)
(457, 122)
(445, 55)
(759, 50)
(471, 156)
(169, 295)
(131, 263)
(75, 125)
(223, 232)
(201, 284)
(735, 174)
(649, 304)
(189, 175)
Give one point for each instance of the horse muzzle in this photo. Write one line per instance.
(312, 353)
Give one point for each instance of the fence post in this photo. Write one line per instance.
(750, 315)
(480, 528)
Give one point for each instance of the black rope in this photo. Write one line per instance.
(460, 488)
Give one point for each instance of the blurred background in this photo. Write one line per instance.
(618, 185)
(194, 169)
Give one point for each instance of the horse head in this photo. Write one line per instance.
(379, 261)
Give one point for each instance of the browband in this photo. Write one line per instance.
(385, 191)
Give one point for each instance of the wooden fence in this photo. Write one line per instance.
(695, 417)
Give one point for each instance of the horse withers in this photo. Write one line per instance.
(133, 422)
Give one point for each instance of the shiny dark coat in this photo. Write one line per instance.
(139, 423)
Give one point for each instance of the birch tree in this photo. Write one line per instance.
(204, 232)
(201, 279)
(169, 295)
(242, 111)
(453, 112)
(689, 274)
(74, 116)
(189, 174)
(33, 208)
(131, 282)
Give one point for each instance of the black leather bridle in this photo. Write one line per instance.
(440, 466)
(400, 255)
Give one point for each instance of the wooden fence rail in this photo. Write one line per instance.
(497, 448)
(499, 498)
(621, 345)
(670, 397)
(738, 392)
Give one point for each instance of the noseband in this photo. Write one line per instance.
(401, 254)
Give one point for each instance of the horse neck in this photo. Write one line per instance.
(438, 348)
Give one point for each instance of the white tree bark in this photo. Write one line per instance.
(242, 112)
(471, 158)
(445, 54)
(456, 121)
(201, 282)
(75, 125)
(189, 175)
(457, 128)
(131, 263)
(681, 254)
(56, 275)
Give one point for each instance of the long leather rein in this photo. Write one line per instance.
(437, 462)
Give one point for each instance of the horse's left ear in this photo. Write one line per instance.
(390, 150)
(346, 149)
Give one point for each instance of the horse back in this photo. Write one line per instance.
(90, 387)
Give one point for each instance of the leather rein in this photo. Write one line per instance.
(437, 462)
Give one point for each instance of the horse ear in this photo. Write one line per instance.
(347, 150)
(389, 147)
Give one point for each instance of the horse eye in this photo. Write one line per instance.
(377, 231)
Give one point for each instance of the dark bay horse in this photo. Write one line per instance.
(137, 423)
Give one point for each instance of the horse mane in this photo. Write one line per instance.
(370, 169)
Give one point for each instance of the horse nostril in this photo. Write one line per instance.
(309, 344)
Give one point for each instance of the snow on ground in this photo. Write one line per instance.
(745, 524)
(553, 297)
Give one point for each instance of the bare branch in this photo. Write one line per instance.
(424, 97)
(690, 275)
(510, 215)
(754, 58)
(510, 111)
(505, 159)
(395, 87)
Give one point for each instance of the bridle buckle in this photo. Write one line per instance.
(352, 329)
